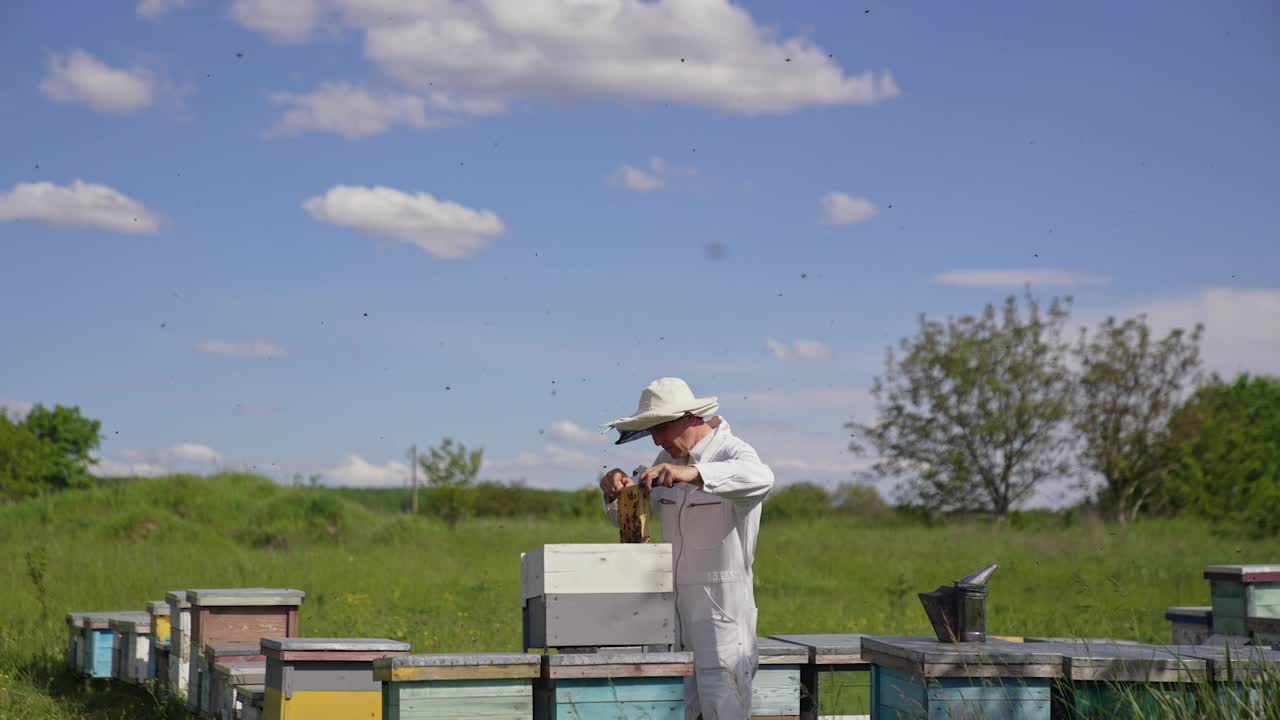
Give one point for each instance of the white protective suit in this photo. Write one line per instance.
(712, 529)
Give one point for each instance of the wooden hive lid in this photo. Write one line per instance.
(179, 598)
(243, 673)
(779, 652)
(158, 607)
(828, 648)
(1117, 641)
(928, 657)
(1189, 613)
(613, 664)
(1125, 662)
(101, 620)
(244, 597)
(300, 644)
(1243, 573)
(134, 624)
(76, 619)
(1232, 659)
(213, 651)
(251, 692)
(457, 666)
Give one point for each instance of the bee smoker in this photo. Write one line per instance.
(959, 613)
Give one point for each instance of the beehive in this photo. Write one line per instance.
(611, 684)
(1241, 592)
(489, 685)
(1264, 631)
(131, 648)
(159, 612)
(224, 678)
(179, 641)
(249, 700)
(598, 595)
(99, 640)
(203, 687)
(918, 677)
(75, 640)
(160, 665)
(324, 678)
(1123, 680)
(832, 652)
(236, 615)
(1191, 623)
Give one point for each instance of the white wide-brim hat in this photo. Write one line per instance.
(664, 400)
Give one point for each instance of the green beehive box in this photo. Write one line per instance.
(621, 684)
(488, 685)
(1241, 592)
(1123, 680)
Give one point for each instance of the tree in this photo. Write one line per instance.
(1227, 441)
(972, 411)
(450, 470)
(23, 460)
(72, 438)
(1130, 385)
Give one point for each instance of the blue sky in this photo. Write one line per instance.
(299, 236)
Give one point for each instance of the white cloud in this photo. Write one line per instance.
(1241, 327)
(81, 203)
(841, 209)
(657, 177)
(1017, 278)
(348, 110)
(195, 453)
(240, 348)
(443, 229)
(114, 468)
(355, 471)
(78, 77)
(285, 20)
(799, 349)
(709, 53)
(153, 9)
(16, 410)
(569, 431)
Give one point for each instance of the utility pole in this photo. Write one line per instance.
(413, 473)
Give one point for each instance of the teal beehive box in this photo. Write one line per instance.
(1241, 592)
(489, 685)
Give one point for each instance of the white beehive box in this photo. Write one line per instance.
(598, 595)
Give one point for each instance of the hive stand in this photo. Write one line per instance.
(1241, 592)
(324, 678)
(131, 648)
(179, 641)
(612, 685)
(837, 652)
(920, 677)
(489, 685)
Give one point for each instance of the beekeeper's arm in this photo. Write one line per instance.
(738, 475)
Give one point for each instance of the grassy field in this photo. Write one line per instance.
(368, 573)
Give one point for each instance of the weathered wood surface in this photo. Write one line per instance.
(620, 670)
(1234, 661)
(237, 651)
(830, 649)
(928, 657)
(633, 514)
(1112, 662)
(492, 700)
(778, 652)
(775, 691)
(613, 658)
(595, 568)
(1243, 573)
(457, 666)
(244, 597)
(224, 678)
(210, 625)
(656, 698)
(600, 619)
(1264, 631)
(299, 644)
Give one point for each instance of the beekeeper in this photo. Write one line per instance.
(707, 485)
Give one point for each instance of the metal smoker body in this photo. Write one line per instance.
(959, 613)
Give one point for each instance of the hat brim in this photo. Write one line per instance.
(626, 436)
(638, 426)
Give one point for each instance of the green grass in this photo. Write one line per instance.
(370, 573)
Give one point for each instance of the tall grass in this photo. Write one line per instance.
(369, 573)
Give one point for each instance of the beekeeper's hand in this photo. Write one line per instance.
(666, 475)
(612, 483)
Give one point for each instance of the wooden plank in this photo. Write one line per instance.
(488, 708)
(619, 690)
(301, 644)
(619, 671)
(633, 514)
(245, 597)
(621, 711)
(598, 568)
(446, 689)
(776, 691)
(1243, 573)
(618, 619)
(460, 672)
(323, 656)
(238, 624)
